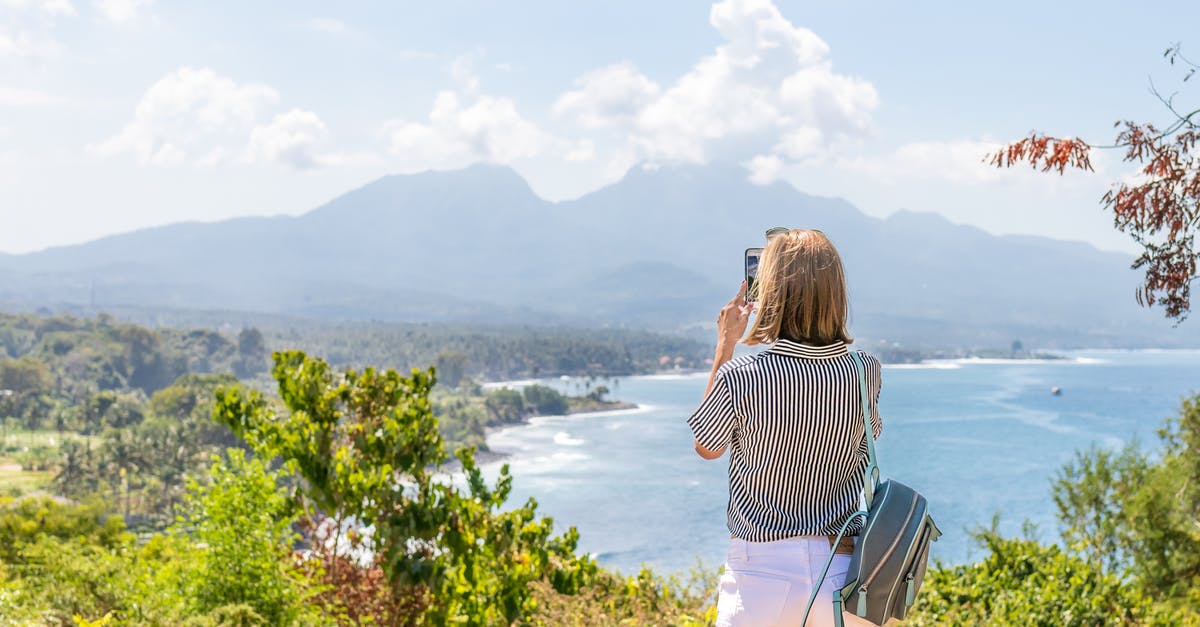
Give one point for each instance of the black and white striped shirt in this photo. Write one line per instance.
(792, 418)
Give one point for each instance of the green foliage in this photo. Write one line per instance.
(74, 578)
(451, 367)
(598, 393)
(504, 406)
(643, 599)
(25, 375)
(1022, 582)
(251, 353)
(545, 400)
(24, 520)
(27, 384)
(494, 353)
(243, 522)
(240, 615)
(62, 560)
(365, 444)
(1136, 514)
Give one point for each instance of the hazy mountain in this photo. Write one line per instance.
(661, 248)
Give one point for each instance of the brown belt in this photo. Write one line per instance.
(845, 547)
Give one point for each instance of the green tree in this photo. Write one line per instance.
(365, 444)
(504, 406)
(120, 460)
(451, 367)
(78, 472)
(545, 400)
(243, 520)
(1137, 513)
(598, 393)
(252, 353)
(25, 375)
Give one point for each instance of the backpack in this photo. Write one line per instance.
(892, 551)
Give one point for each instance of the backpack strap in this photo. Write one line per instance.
(871, 475)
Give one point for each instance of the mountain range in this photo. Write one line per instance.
(659, 249)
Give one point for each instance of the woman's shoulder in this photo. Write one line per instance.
(869, 358)
(738, 363)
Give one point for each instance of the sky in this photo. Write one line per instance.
(123, 114)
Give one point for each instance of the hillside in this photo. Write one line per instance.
(659, 249)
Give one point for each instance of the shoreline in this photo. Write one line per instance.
(933, 360)
(492, 456)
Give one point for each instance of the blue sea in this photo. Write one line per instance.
(979, 438)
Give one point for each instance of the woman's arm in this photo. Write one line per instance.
(731, 326)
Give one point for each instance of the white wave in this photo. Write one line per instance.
(515, 384)
(562, 438)
(926, 365)
(1000, 361)
(640, 409)
(551, 464)
(951, 364)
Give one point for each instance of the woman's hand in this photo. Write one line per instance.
(731, 322)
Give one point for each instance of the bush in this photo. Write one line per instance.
(242, 523)
(365, 445)
(23, 521)
(1022, 582)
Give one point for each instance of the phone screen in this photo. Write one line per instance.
(752, 257)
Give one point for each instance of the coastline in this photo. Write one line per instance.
(492, 456)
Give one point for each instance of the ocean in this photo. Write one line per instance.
(980, 438)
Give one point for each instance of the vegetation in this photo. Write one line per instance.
(91, 406)
(1159, 208)
(318, 501)
(339, 517)
(491, 353)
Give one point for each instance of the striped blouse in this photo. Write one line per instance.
(791, 417)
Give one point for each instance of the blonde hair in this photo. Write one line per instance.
(801, 291)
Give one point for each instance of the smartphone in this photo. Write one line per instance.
(752, 257)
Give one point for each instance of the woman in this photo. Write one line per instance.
(791, 419)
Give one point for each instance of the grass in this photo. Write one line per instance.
(17, 482)
(13, 442)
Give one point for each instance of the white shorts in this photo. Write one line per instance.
(768, 583)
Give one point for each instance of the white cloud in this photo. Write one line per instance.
(22, 97)
(197, 117)
(584, 150)
(768, 91)
(122, 11)
(767, 96)
(290, 139)
(50, 7)
(187, 116)
(959, 161)
(23, 45)
(764, 169)
(609, 97)
(488, 129)
(329, 25)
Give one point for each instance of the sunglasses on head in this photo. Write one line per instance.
(780, 230)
